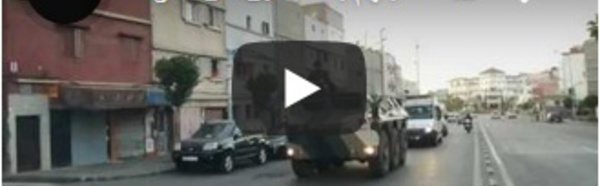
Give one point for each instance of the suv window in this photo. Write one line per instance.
(209, 131)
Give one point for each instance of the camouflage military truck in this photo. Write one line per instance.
(380, 141)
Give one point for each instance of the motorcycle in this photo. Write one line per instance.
(468, 124)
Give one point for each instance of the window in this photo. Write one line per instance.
(192, 11)
(313, 28)
(248, 22)
(203, 14)
(130, 48)
(214, 68)
(216, 17)
(75, 41)
(265, 28)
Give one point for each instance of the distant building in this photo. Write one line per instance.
(590, 50)
(573, 79)
(289, 20)
(492, 88)
(410, 87)
(544, 84)
(323, 23)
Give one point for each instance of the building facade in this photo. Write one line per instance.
(323, 23)
(289, 20)
(492, 88)
(590, 50)
(249, 22)
(573, 80)
(76, 96)
(545, 84)
(195, 28)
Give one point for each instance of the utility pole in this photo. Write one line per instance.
(383, 65)
(418, 66)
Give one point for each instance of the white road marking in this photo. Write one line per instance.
(505, 176)
(588, 149)
(476, 166)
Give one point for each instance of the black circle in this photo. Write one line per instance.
(64, 11)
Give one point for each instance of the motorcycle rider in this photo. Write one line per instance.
(468, 122)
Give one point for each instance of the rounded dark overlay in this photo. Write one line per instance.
(64, 11)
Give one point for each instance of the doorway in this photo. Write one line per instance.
(28, 143)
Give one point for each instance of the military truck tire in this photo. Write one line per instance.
(435, 141)
(303, 168)
(394, 149)
(379, 165)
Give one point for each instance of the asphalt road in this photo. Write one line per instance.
(546, 155)
(498, 152)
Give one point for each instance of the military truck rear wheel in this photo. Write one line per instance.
(379, 165)
(395, 149)
(303, 168)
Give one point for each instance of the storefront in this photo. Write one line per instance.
(106, 123)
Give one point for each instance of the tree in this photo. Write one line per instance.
(568, 102)
(593, 28)
(590, 102)
(454, 104)
(527, 105)
(177, 76)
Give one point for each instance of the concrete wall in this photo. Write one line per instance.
(88, 137)
(315, 30)
(171, 32)
(259, 12)
(289, 20)
(27, 105)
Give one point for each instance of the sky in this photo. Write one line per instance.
(464, 37)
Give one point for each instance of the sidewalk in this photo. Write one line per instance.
(102, 172)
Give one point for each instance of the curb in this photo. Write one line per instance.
(75, 179)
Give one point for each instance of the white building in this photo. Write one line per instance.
(590, 50)
(248, 22)
(492, 87)
(573, 81)
(196, 28)
(323, 23)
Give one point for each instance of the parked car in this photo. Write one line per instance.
(276, 146)
(554, 117)
(496, 115)
(452, 118)
(219, 145)
(511, 115)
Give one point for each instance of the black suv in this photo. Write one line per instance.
(219, 145)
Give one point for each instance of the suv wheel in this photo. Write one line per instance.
(303, 168)
(261, 158)
(227, 164)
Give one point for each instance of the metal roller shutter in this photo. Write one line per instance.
(130, 132)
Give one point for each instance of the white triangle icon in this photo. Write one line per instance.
(297, 88)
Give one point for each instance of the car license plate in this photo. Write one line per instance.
(416, 138)
(190, 158)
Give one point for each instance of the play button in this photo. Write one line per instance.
(297, 88)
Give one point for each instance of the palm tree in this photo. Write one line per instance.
(593, 28)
